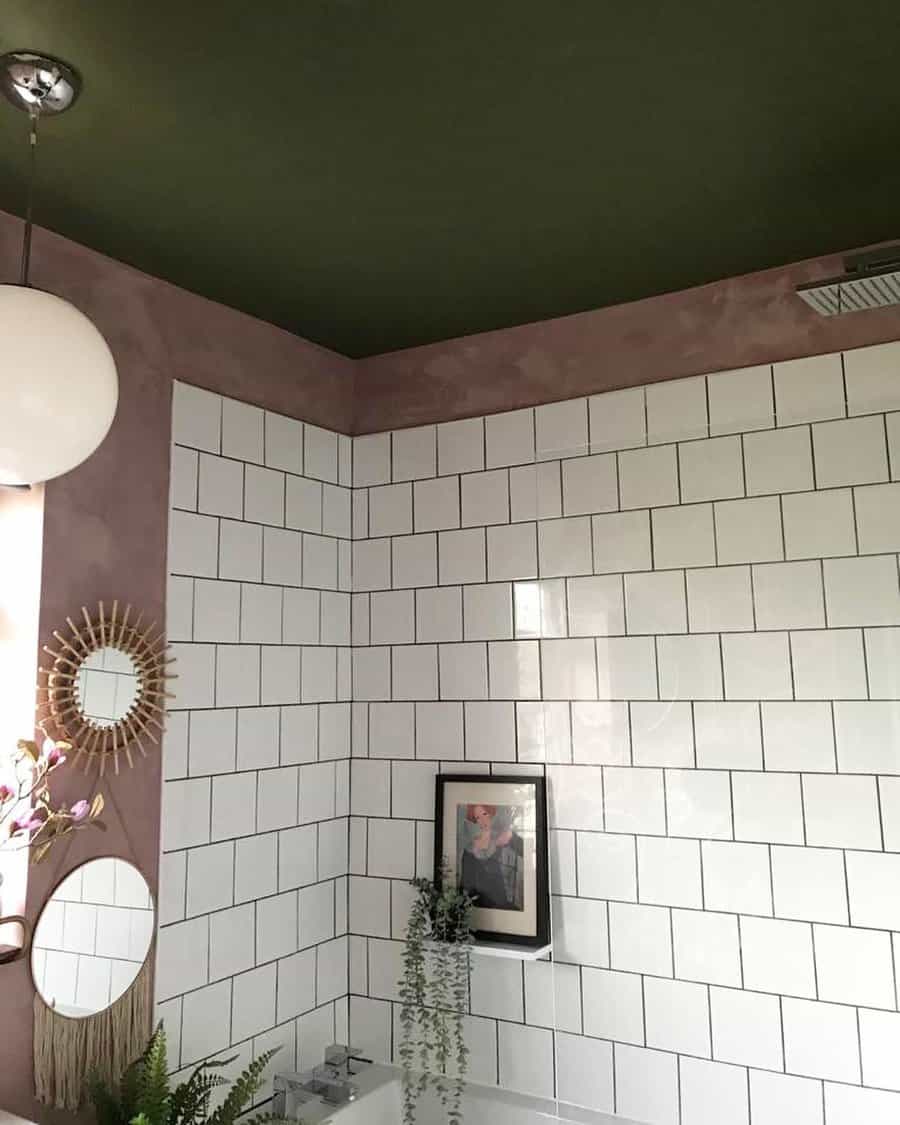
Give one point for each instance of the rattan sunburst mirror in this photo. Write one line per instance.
(105, 692)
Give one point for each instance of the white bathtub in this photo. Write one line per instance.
(380, 1100)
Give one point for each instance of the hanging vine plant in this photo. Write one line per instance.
(434, 993)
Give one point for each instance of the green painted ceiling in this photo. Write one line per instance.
(374, 174)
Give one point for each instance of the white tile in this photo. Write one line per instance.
(316, 910)
(590, 484)
(512, 552)
(180, 609)
(371, 673)
(392, 617)
(775, 1098)
(544, 733)
(569, 669)
(319, 561)
(848, 452)
(728, 735)
(205, 1022)
(414, 453)
(296, 866)
(655, 602)
(371, 459)
(618, 420)
(412, 789)
(778, 957)
(647, 1085)
(580, 931)
(712, 1092)
(867, 877)
(767, 807)
(689, 667)
(277, 799)
(336, 511)
(320, 453)
(196, 417)
(788, 595)
(562, 862)
(621, 542)
(415, 672)
(485, 498)
(261, 614)
(461, 446)
(584, 1072)
(264, 500)
(436, 503)
(514, 670)
(846, 1105)
(711, 469)
(613, 1005)
(216, 611)
(576, 797)
(490, 730)
(889, 796)
(819, 524)
(626, 668)
(878, 517)
(184, 478)
(301, 613)
(749, 530)
(439, 613)
(280, 675)
(255, 872)
(829, 664)
(809, 389)
(253, 1006)
(676, 410)
(809, 884)
(317, 792)
(595, 606)
(220, 489)
(284, 443)
(390, 510)
(564, 547)
(634, 800)
(683, 536)
(719, 599)
(648, 477)
(798, 736)
(370, 907)
(182, 957)
(281, 557)
(707, 947)
(172, 881)
(184, 819)
(740, 400)
(462, 556)
(867, 736)
(195, 686)
(510, 438)
(606, 866)
(486, 610)
(892, 426)
(541, 608)
(391, 848)
(372, 563)
(854, 966)
(497, 989)
(240, 551)
(335, 618)
(535, 492)
(736, 877)
(232, 941)
(879, 1034)
(820, 1041)
(599, 732)
(463, 671)
(677, 1015)
(296, 990)
(698, 803)
(862, 591)
(561, 429)
(526, 1059)
(233, 806)
(841, 811)
(210, 875)
(746, 1028)
(193, 544)
(662, 734)
(757, 665)
(871, 377)
(640, 938)
(669, 872)
(779, 461)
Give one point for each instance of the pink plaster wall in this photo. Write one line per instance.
(735, 323)
(105, 523)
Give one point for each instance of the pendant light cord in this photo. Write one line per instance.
(33, 115)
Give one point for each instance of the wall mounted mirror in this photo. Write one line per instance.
(105, 692)
(92, 938)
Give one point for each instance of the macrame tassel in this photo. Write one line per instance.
(67, 1050)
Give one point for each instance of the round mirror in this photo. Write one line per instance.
(92, 937)
(107, 686)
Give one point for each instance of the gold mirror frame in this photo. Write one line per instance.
(59, 711)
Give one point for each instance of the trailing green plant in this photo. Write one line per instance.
(434, 993)
(143, 1095)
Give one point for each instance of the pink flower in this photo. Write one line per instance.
(6, 793)
(55, 757)
(80, 811)
(26, 823)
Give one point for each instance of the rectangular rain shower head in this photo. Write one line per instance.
(872, 281)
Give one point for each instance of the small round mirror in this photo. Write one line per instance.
(92, 937)
(107, 686)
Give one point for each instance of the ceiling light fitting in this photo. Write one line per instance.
(59, 387)
(871, 281)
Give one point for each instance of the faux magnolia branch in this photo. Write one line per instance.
(40, 825)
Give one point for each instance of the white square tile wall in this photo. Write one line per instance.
(682, 603)
(252, 947)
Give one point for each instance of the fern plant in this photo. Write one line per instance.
(143, 1095)
(434, 992)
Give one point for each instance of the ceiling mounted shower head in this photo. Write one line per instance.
(872, 281)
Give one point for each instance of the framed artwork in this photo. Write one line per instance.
(491, 839)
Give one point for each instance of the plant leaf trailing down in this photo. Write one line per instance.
(144, 1097)
(434, 994)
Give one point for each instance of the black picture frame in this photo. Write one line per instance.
(483, 784)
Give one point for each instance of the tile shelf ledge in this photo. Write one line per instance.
(515, 952)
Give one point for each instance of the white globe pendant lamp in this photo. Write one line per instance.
(58, 381)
